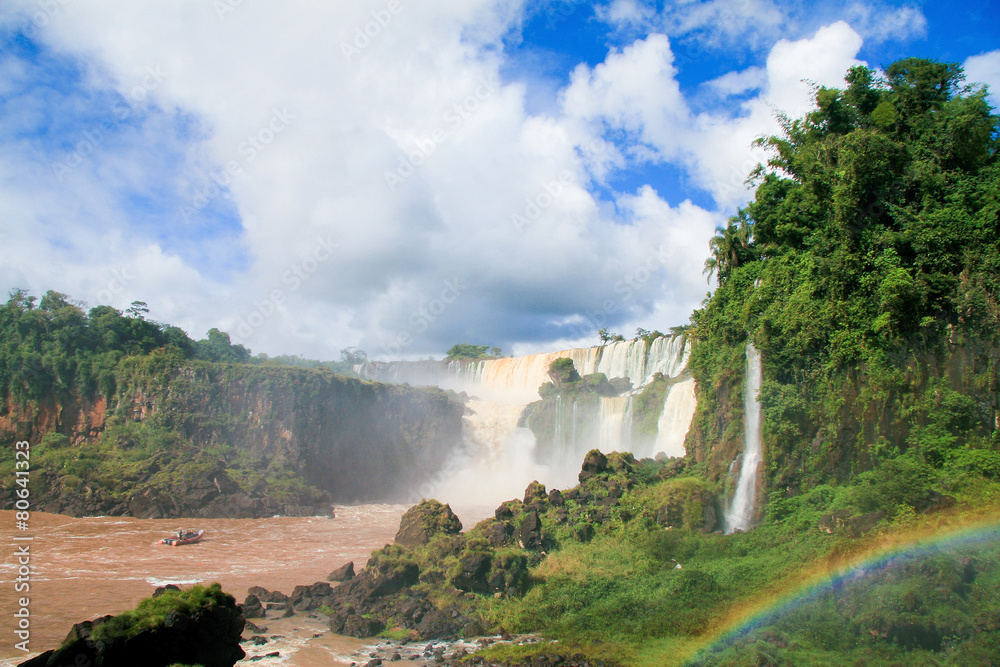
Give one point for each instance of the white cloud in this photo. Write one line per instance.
(985, 69)
(634, 90)
(314, 118)
(878, 22)
(391, 191)
(738, 82)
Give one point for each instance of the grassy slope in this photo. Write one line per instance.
(622, 597)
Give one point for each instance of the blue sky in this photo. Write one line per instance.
(401, 177)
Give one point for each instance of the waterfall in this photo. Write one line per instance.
(675, 420)
(740, 513)
(500, 458)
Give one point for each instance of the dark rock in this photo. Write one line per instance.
(306, 598)
(426, 520)
(254, 628)
(529, 535)
(556, 498)
(534, 491)
(593, 464)
(508, 510)
(209, 636)
(475, 568)
(252, 608)
(354, 625)
(584, 532)
(265, 595)
(342, 573)
(160, 590)
(498, 533)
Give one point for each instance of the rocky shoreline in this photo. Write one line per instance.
(426, 589)
(423, 595)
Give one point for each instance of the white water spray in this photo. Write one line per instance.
(740, 513)
(500, 459)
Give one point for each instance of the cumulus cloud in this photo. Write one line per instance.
(985, 69)
(312, 176)
(881, 22)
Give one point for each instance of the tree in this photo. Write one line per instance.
(467, 352)
(609, 336)
(218, 347)
(353, 357)
(138, 309)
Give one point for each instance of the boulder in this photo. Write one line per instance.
(252, 607)
(474, 570)
(342, 573)
(498, 533)
(534, 491)
(208, 636)
(424, 521)
(593, 464)
(265, 595)
(529, 535)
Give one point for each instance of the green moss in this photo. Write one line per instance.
(152, 612)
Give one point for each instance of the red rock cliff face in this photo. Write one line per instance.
(80, 419)
(355, 439)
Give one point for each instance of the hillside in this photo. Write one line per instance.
(126, 416)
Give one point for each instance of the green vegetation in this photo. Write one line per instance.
(152, 612)
(54, 349)
(867, 273)
(466, 352)
(649, 581)
(128, 416)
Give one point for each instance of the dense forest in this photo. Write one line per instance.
(867, 273)
(129, 416)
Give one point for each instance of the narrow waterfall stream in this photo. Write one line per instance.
(740, 513)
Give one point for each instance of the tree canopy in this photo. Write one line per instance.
(875, 220)
(55, 347)
(867, 263)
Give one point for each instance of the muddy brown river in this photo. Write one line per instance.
(85, 568)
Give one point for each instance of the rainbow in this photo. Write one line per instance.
(824, 578)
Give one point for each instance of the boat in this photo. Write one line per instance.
(183, 537)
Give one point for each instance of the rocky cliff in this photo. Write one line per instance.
(181, 438)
